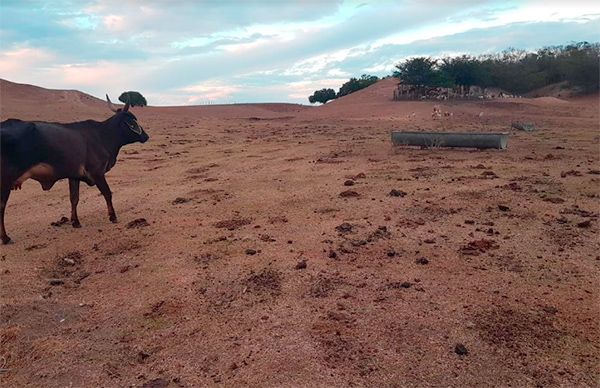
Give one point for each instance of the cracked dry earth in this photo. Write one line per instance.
(238, 260)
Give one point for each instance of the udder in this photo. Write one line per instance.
(42, 172)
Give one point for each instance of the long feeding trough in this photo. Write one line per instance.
(448, 139)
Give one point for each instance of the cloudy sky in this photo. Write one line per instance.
(181, 52)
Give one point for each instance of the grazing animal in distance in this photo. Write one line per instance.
(48, 152)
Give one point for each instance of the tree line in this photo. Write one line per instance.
(353, 85)
(515, 71)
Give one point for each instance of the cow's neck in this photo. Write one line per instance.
(109, 138)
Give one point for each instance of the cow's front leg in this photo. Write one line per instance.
(4, 194)
(105, 190)
(74, 195)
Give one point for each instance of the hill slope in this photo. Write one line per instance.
(18, 101)
(22, 100)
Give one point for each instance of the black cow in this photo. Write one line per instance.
(47, 152)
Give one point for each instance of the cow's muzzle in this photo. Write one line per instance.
(144, 137)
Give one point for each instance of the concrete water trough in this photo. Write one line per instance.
(448, 139)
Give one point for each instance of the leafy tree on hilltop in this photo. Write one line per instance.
(134, 98)
(322, 96)
(417, 71)
(368, 80)
(348, 87)
(355, 84)
(465, 71)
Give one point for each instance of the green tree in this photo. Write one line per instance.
(513, 70)
(517, 72)
(418, 71)
(134, 98)
(322, 96)
(464, 70)
(355, 84)
(349, 87)
(581, 64)
(548, 59)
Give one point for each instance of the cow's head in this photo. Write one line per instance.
(128, 127)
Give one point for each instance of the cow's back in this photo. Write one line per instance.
(26, 144)
(19, 144)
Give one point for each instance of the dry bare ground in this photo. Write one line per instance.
(252, 267)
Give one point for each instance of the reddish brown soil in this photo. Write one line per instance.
(200, 284)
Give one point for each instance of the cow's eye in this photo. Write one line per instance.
(135, 128)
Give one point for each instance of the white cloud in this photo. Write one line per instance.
(89, 74)
(15, 64)
(383, 67)
(210, 90)
(300, 90)
(242, 48)
(337, 72)
(114, 23)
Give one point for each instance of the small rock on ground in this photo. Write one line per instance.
(397, 193)
(422, 261)
(349, 194)
(585, 224)
(62, 221)
(138, 223)
(461, 350)
(344, 228)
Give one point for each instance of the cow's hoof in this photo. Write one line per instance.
(113, 219)
(6, 240)
(76, 224)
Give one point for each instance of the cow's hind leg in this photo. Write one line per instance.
(105, 190)
(4, 194)
(74, 195)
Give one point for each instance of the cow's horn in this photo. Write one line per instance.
(110, 104)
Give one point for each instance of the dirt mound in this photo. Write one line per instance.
(548, 101)
(381, 91)
(592, 99)
(23, 98)
(12, 92)
(559, 90)
(375, 101)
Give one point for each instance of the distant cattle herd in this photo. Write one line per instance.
(419, 92)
